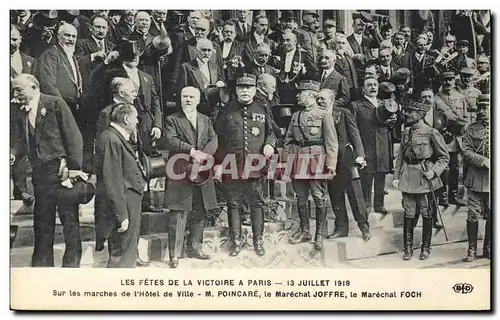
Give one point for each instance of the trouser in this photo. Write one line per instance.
(302, 188)
(416, 203)
(453, 175)
(337, 188)
(236, 192)
(367, 181)
(122, 247)
(195, 221)
(479, 206)
(49, 195)
(19, 172)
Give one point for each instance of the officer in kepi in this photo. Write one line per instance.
(246, 139)
(312, 139)
(421, 160)
(477, 180)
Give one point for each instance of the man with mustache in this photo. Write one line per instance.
(333, 80)
(470, 93)
(201, 73)
(450, 98)
(421, 159)
(311, 132)
(259, 36)
(242, 27)
(19, 62)
(351, 153)
(232, 53)
(306, 35)
(259, 65)
(483, 77)
(191, 134)
(477, 178)
(187, 51)
(344, 63)
(59, 73)
(376, 137)
(245, 135)
(126, 25)
(44, 130)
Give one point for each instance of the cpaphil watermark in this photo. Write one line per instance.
(294, 166)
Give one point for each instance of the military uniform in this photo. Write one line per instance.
(311, 137)
(470, 93)
(423, 149)
(243, 132)
(477, 180)
(455, 102)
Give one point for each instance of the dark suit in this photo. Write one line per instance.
(231, 73)
(185, 200)
(33, 44)
(376, 139)
(364, 48)
(383, 77)
(399, 59)
(240, 34)
(147, 103)
(28, 65)
(119, 191)
(251, 44)
(85, 47)
(347, 134)
(55, 136)
(191, 75)
(422, 72)
(123, 30)
(338, 83)
(345, 66)
(187, 52)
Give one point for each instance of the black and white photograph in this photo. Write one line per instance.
(250, 139)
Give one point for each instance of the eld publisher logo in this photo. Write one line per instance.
(463, 288)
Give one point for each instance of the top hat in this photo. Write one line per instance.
(154, 166)
(127, 49)
(45, 19)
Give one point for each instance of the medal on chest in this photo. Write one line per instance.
(255, 131)
(314, 130)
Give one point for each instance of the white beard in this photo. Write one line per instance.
(69, 50)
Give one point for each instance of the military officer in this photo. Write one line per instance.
(477, 180)
(421, 159)
(451, 99)
(482, 82)
(351, 153)
(245, 134)
(470, 92)
(311, 135)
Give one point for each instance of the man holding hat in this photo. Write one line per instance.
(245, 134)
(191, 134)
(477, 178)
(311, 136)
(451, 99)
(469, 91)
(421, 159)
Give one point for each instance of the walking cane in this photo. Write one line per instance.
(436, 204)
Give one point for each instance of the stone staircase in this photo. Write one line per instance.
(386, 232)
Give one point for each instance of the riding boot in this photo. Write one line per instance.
(487, 241)
(257, 216)
(408, 238)
(234, 232)
(472, 229)
(303, 234)
(426, 238)
(320, 227)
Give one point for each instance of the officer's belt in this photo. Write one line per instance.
(414, 161)
(308, 143)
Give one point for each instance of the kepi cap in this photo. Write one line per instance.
(468, 71)
(463, 43)
(483, 99)
(329, 23)
(309, 85)
(312, 12)
(246, 80)
(448, 74)
(416, 106)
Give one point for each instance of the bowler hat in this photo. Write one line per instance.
(309, 85)
(246, 80)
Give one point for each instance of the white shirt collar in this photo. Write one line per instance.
(129, 70)
(98, 40)
(419, 56)
(328, 71)
(122, 131)
(291, 53)
(190, 114)
(259, 37)
(192, 30)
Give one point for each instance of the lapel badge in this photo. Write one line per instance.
(145, 79)
(43, 112)
(255, 131)
(28, 63)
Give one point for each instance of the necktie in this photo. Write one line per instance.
(387, 75)
(244, 28)
(323, 77)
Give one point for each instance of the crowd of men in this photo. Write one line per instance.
(93, 91)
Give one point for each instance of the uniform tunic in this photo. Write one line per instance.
(477, 177)
(312, 139)
(423, 149)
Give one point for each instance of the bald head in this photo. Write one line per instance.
(267, 83)
(386, 44)
(190, 98)
(204, 49)
(290, 41)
